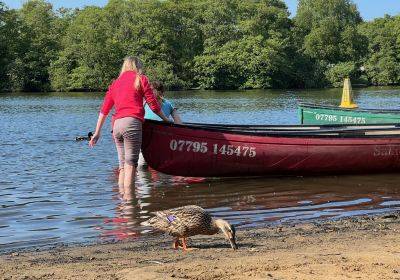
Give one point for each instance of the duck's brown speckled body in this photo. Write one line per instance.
(190, 220)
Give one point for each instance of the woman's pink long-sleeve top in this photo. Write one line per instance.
(127, 100)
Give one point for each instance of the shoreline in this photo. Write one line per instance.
(158, 235)
(358, 86)
(364, 247)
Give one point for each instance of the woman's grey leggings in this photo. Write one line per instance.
(127, 134)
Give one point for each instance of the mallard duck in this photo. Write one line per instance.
(186, 221)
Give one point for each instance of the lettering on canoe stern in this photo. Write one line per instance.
(386, 151)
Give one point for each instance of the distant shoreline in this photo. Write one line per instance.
(210, 90)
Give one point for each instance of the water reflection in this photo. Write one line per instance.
(124, 224)
(250, 202)
(127, 210)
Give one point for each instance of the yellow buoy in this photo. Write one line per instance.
(347, 99)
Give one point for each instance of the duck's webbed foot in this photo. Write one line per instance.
(176, 244)
(185, 247)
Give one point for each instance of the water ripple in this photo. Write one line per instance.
(55, 190)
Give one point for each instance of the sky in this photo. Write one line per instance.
(369, 9)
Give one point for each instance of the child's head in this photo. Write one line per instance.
(159, 89)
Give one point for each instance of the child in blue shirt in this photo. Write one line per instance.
(167, 106)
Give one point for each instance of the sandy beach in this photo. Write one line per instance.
(352, 248)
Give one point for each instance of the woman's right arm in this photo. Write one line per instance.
(152, 100)
(163, 117)
(176, 117)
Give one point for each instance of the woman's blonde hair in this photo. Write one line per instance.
(135, 64)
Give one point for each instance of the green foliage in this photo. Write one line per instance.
(309, 73)
(87, 54)
(162, 71)
(326, 32)
(247, 46)
(10, 44)
(382, 64)
(251, 62)
(336, 73)
(196, 43)
(38, 44)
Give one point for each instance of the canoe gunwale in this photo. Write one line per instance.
(304, 105)
(322, 131)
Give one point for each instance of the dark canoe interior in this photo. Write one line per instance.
(309, 131)
(330, 107)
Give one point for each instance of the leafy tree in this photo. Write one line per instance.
(184, 39)
(326, 33)
(250, 62)
(38, 40)
(98, 39)
(156, 31)
(9, 44)
(246, 46)
(323, 28)
(196, 43)
(4, 49)
(382, 64)
(86, 61)
(336, 73)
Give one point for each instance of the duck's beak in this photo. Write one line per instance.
(232, 241)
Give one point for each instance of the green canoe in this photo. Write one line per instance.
(310, 113)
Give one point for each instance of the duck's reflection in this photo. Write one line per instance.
(133, 205)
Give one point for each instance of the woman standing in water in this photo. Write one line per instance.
(126, 93)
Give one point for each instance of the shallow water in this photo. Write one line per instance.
(55, 190)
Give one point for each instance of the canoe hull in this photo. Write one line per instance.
(199, 152)
(323, 114)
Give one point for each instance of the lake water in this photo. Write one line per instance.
(54, 190)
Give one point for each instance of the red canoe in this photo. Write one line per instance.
(211, 150)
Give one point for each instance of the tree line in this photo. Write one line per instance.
(210, 44)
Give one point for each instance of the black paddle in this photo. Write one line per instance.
(82, 138)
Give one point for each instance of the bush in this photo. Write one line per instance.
(335, 74)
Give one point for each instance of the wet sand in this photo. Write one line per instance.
(354, 248)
